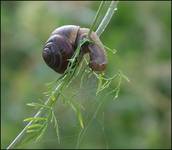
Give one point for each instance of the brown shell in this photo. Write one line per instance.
(60, 47)
(68, 31)
(63, 42)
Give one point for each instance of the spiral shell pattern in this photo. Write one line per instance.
(62, 44)
(59, 48)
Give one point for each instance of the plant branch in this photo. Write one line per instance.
(65, 80)
(99, 31)
(107, 17)
(21, 134)
(96, 18)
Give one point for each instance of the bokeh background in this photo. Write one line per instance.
(140, 31)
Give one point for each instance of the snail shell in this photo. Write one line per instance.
(62, 44)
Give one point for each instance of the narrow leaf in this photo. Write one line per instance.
(38, 105)
(42, 132)
(35, 126)
(31, 131)
(80, 120)
(53, 97)
(35, 119)
(56, 126)
(113, 51)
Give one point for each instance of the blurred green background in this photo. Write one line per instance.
(140, 31)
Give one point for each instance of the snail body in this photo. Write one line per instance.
(62, 44)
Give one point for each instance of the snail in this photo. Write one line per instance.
(62, 44)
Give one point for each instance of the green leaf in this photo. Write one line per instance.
(73, 107)
(34, 126)
(99, 84)
(76, 108)
(31, 131)
(125, 77)
(80, 119)
(78, 113)
(38, 105)
(113, 51)
(56, 126)
(35, 119)
(42, 132)
(53, 97)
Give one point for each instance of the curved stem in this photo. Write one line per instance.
(107, 17)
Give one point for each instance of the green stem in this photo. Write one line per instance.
(21, 134)
(99, 31)
(96, 18)
(107, 17)
(64, 81)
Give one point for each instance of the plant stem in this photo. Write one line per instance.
(21, 134)
(99, 31)
(107, 17)
(64, 82)
(96, 18)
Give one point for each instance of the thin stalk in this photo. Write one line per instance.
(65, 81)
(21, 134)
(96, 17)
(107, 17)
(99, 31)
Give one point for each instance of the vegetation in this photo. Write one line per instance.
(144, 102)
